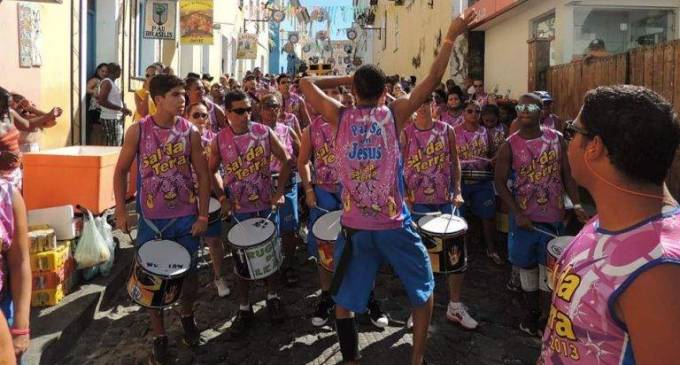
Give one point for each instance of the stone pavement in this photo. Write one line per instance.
(119, 333)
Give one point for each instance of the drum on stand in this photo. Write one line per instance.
(555, 248)
(158, 273)
(255, 248)
(445, 235)
(326, 230)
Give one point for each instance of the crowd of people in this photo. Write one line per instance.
(387, 154)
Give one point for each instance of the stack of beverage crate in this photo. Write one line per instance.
(53, 266)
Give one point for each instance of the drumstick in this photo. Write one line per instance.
(321, 209)
(334, 223)
(428, 214)
(473, 158)
(545, 232)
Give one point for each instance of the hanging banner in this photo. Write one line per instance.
(247, 46)
(160, 19)
(196, 22)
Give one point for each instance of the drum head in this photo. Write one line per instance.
(445, 224)
(328, 226)
(214, 205)
(164, 258)
(557, 245)
(251, 232)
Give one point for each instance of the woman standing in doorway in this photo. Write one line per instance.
(113, 109)
(93, 108)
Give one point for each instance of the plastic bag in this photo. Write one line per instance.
(92, 249)
(106, 231)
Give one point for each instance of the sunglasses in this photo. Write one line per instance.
(282, 82)
(241, 111)
(199, 115)
(478, 85)
(149, 75)
(531, 108)
(571, 129)
(473, 111)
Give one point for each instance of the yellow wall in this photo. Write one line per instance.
(418, 28)
(50, 84)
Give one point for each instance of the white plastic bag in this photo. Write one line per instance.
(106, 231)
(92, 249)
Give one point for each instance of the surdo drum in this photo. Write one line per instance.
(255, 248)
(326, 230)
(555, 248)
(443, 235)
(158, 273)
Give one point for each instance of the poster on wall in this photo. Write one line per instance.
(196, 22)
(160, 19)
(30, 37)
(247, 46)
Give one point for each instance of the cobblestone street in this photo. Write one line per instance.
(119, 334)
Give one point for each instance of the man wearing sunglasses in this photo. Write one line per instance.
(376, 225)
(246, 149)
(289, 217)
(292, 102)
(480, 95)
(536, 157)
(617, 293)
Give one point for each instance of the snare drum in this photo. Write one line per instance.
(255, 248)
(555, 248)
(158, 272)
(326, 230)
(215, 211)
(476, 175)
(445, 234)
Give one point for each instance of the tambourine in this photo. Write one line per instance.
(306, 48)
(347, 48)
(293, 38)
(278, 16)
(351, 34)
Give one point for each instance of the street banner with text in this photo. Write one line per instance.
(196, 22)
(160, 19)
(247, 46)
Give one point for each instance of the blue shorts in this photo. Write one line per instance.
(480, 199)
(401, 248)
(7, 306)
(325, 200)
(214, 230)
(527, 248)
(179, 231)
(446, 208)
(289, 213)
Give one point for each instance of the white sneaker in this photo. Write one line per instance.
(222, 287)
(458, 313)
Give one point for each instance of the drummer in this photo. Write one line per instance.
(199, 116)
(432, 172)
(475, 152)
(289, 217)
(323, 195)
(168, 199)
(536, 157)
(245, 150)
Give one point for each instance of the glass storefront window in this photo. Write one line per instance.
(620, 29)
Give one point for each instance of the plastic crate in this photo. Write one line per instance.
(43, 280)
(51, 260)
(48, 297)
(42, 238)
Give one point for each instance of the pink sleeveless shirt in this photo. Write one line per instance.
(293, 104)
(538, 186)
(450, 120)
(473, 148)
(550, 121)
(283, 132)
(165, 169)
(6, 229)
(497, 136)
(247, 177)
(427, 164)
(291, 120)
(322, 136)
(593, 272)
(369, 163)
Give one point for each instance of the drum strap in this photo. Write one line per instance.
(159, 233)
(344, 260)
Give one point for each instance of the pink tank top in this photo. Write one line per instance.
(283, 132)
(165, 169)
(291, 120)
(323, 146)
(473, 148)
(538, 187)
(207, 137)
(497, 136)
(212, 113)
(593, 272)
(247, 177)
(451, 120)
(550, 121)
(369, 163)
(427, 164)
(293, 104)
(6, 229)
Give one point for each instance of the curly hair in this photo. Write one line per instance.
(369, 82)
(639, 128)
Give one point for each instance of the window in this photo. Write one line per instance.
(543, 27)
(621, 29)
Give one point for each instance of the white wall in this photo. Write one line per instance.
(107, 17)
